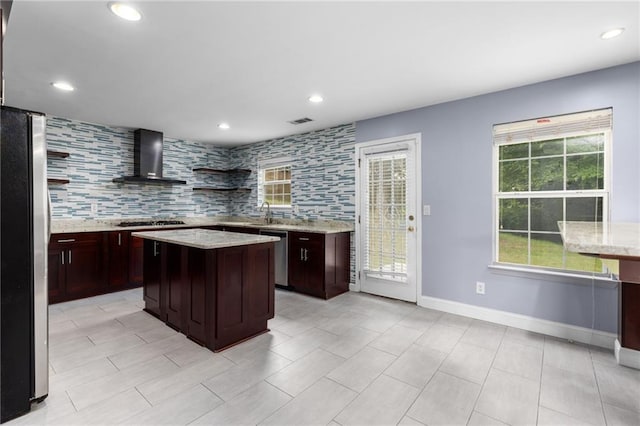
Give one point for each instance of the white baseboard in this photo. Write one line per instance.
(627, 357)
(550, 328)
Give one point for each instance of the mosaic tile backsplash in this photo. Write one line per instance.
(97, 154)
(322, 173)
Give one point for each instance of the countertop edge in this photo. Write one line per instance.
(240, 239)
(82, 228)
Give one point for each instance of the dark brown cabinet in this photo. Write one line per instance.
(76, 266)
(136, 250)
(319, 264)
(152, 263)
(216, 297)
(118, 259)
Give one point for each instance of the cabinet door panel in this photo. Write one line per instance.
(196, 296)
(136, 249)
(118, 259)
(173, 284)
(230, 308)
(261, 282)
(84, 271)
(315, 268)
(231, 302)
(56, 273)
(152, 273)
(296, 263)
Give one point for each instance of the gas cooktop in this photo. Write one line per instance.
(151, 223)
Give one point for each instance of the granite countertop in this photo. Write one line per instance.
(205, 238)
(63, 226)
(615, 239)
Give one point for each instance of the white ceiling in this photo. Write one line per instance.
(187, 66)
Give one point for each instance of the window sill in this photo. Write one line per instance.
(556, 276)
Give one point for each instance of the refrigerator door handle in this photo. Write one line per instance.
(48, 216)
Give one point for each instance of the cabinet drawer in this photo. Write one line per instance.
(79, 237)
(306, 238)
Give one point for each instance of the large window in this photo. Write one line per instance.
(550, 170)
(275, 184)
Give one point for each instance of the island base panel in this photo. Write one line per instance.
(629, 318)
(216, 297)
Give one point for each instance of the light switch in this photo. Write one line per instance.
(426, 210)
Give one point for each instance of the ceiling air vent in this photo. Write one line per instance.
(300, 121)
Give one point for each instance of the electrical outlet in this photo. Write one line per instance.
(479, 287)
(94, 208)
(296, 209)
(197, 208)
(426, 210)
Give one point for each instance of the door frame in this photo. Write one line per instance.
(417, 139)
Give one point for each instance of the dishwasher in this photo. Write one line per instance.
(281, 272)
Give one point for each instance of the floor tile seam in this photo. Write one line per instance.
(502, 370)
(112, 395)
(282, 390)
(371, 382)
(476, 345)
(592, 378)
(482, 386)
(595, 376)
(277, 409)
(216, 395)
(564, 414)
(145, 398)
(509, 341)
(617, 405)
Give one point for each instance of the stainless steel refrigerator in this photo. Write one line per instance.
(24, 212)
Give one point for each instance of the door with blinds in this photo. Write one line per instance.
(387, 225)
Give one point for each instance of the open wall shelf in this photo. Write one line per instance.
(222, 190)
(57, 154)
(57, 181)
(221, 171)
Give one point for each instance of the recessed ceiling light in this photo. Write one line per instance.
(316, 99)
(611, 33)
(223, 126)
(63, 85)
(125, 11)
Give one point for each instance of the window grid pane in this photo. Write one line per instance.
(276, 185)
(541, 183)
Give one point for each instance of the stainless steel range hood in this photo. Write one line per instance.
(147, 160)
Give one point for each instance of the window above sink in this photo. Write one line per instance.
(274, 183)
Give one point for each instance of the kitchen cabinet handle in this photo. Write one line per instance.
(68, 240)
(303, 239)
(62, 257)
(69, 257)
(305, 255)
(301, 254)
(119, 239)
(155, 248)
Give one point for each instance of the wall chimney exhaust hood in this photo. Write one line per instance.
(147, 160)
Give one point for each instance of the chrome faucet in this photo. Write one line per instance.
(267, 216)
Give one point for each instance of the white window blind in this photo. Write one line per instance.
(551, 127)
(385, 219)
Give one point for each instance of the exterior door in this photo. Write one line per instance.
(388, 222)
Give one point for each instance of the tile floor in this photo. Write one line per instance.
(356, 359)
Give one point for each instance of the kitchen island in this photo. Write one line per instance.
(215, 287)
(619, 241)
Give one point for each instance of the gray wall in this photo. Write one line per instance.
(457, 175)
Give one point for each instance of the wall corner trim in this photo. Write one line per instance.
(550, 328)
